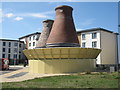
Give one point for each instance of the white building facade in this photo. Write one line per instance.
(91, 38)
(12, 49)
(102, 39)
(30, 40)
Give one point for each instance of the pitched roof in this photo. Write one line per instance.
(10, 40)
(96, 29)
(86, 30)
(29, 35)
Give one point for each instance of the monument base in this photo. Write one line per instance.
(56, 66)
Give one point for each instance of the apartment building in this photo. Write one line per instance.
(30, 40)
(90, 38)
(102, 39)
(12, 49)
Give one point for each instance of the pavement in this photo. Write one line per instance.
(20, 73)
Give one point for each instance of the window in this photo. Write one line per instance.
(15, 44)
(4, 43)
(3, 55)
(33, 43)
(94, 44)
(9, 44)
(94, 35)
(19, 56)
(3, 49)
(9, 50)
(15, 55)
(83, 36)
(8, 56)
(29, 38)
(33, 37)
(15, 50)
(20, 45)
(83, 44)
(19, 51)
(29, 44)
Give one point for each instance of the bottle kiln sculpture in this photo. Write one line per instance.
(67, 56)
(63, 33)
(47, 25)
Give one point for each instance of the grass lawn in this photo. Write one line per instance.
(98, 80)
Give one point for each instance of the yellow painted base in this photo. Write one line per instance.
(56, 66)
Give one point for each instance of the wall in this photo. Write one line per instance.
(79, 38)
(12, 49)
(18, 51)
(61, 66)
(27, 41)
(109, 48)
(89, 40)
(0, 49)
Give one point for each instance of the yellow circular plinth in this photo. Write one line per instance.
(62, 53)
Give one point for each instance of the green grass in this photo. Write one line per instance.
(99, 80)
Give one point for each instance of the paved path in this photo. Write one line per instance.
(21, 75)
(11, 68)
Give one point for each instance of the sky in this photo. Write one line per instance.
(22, 18)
